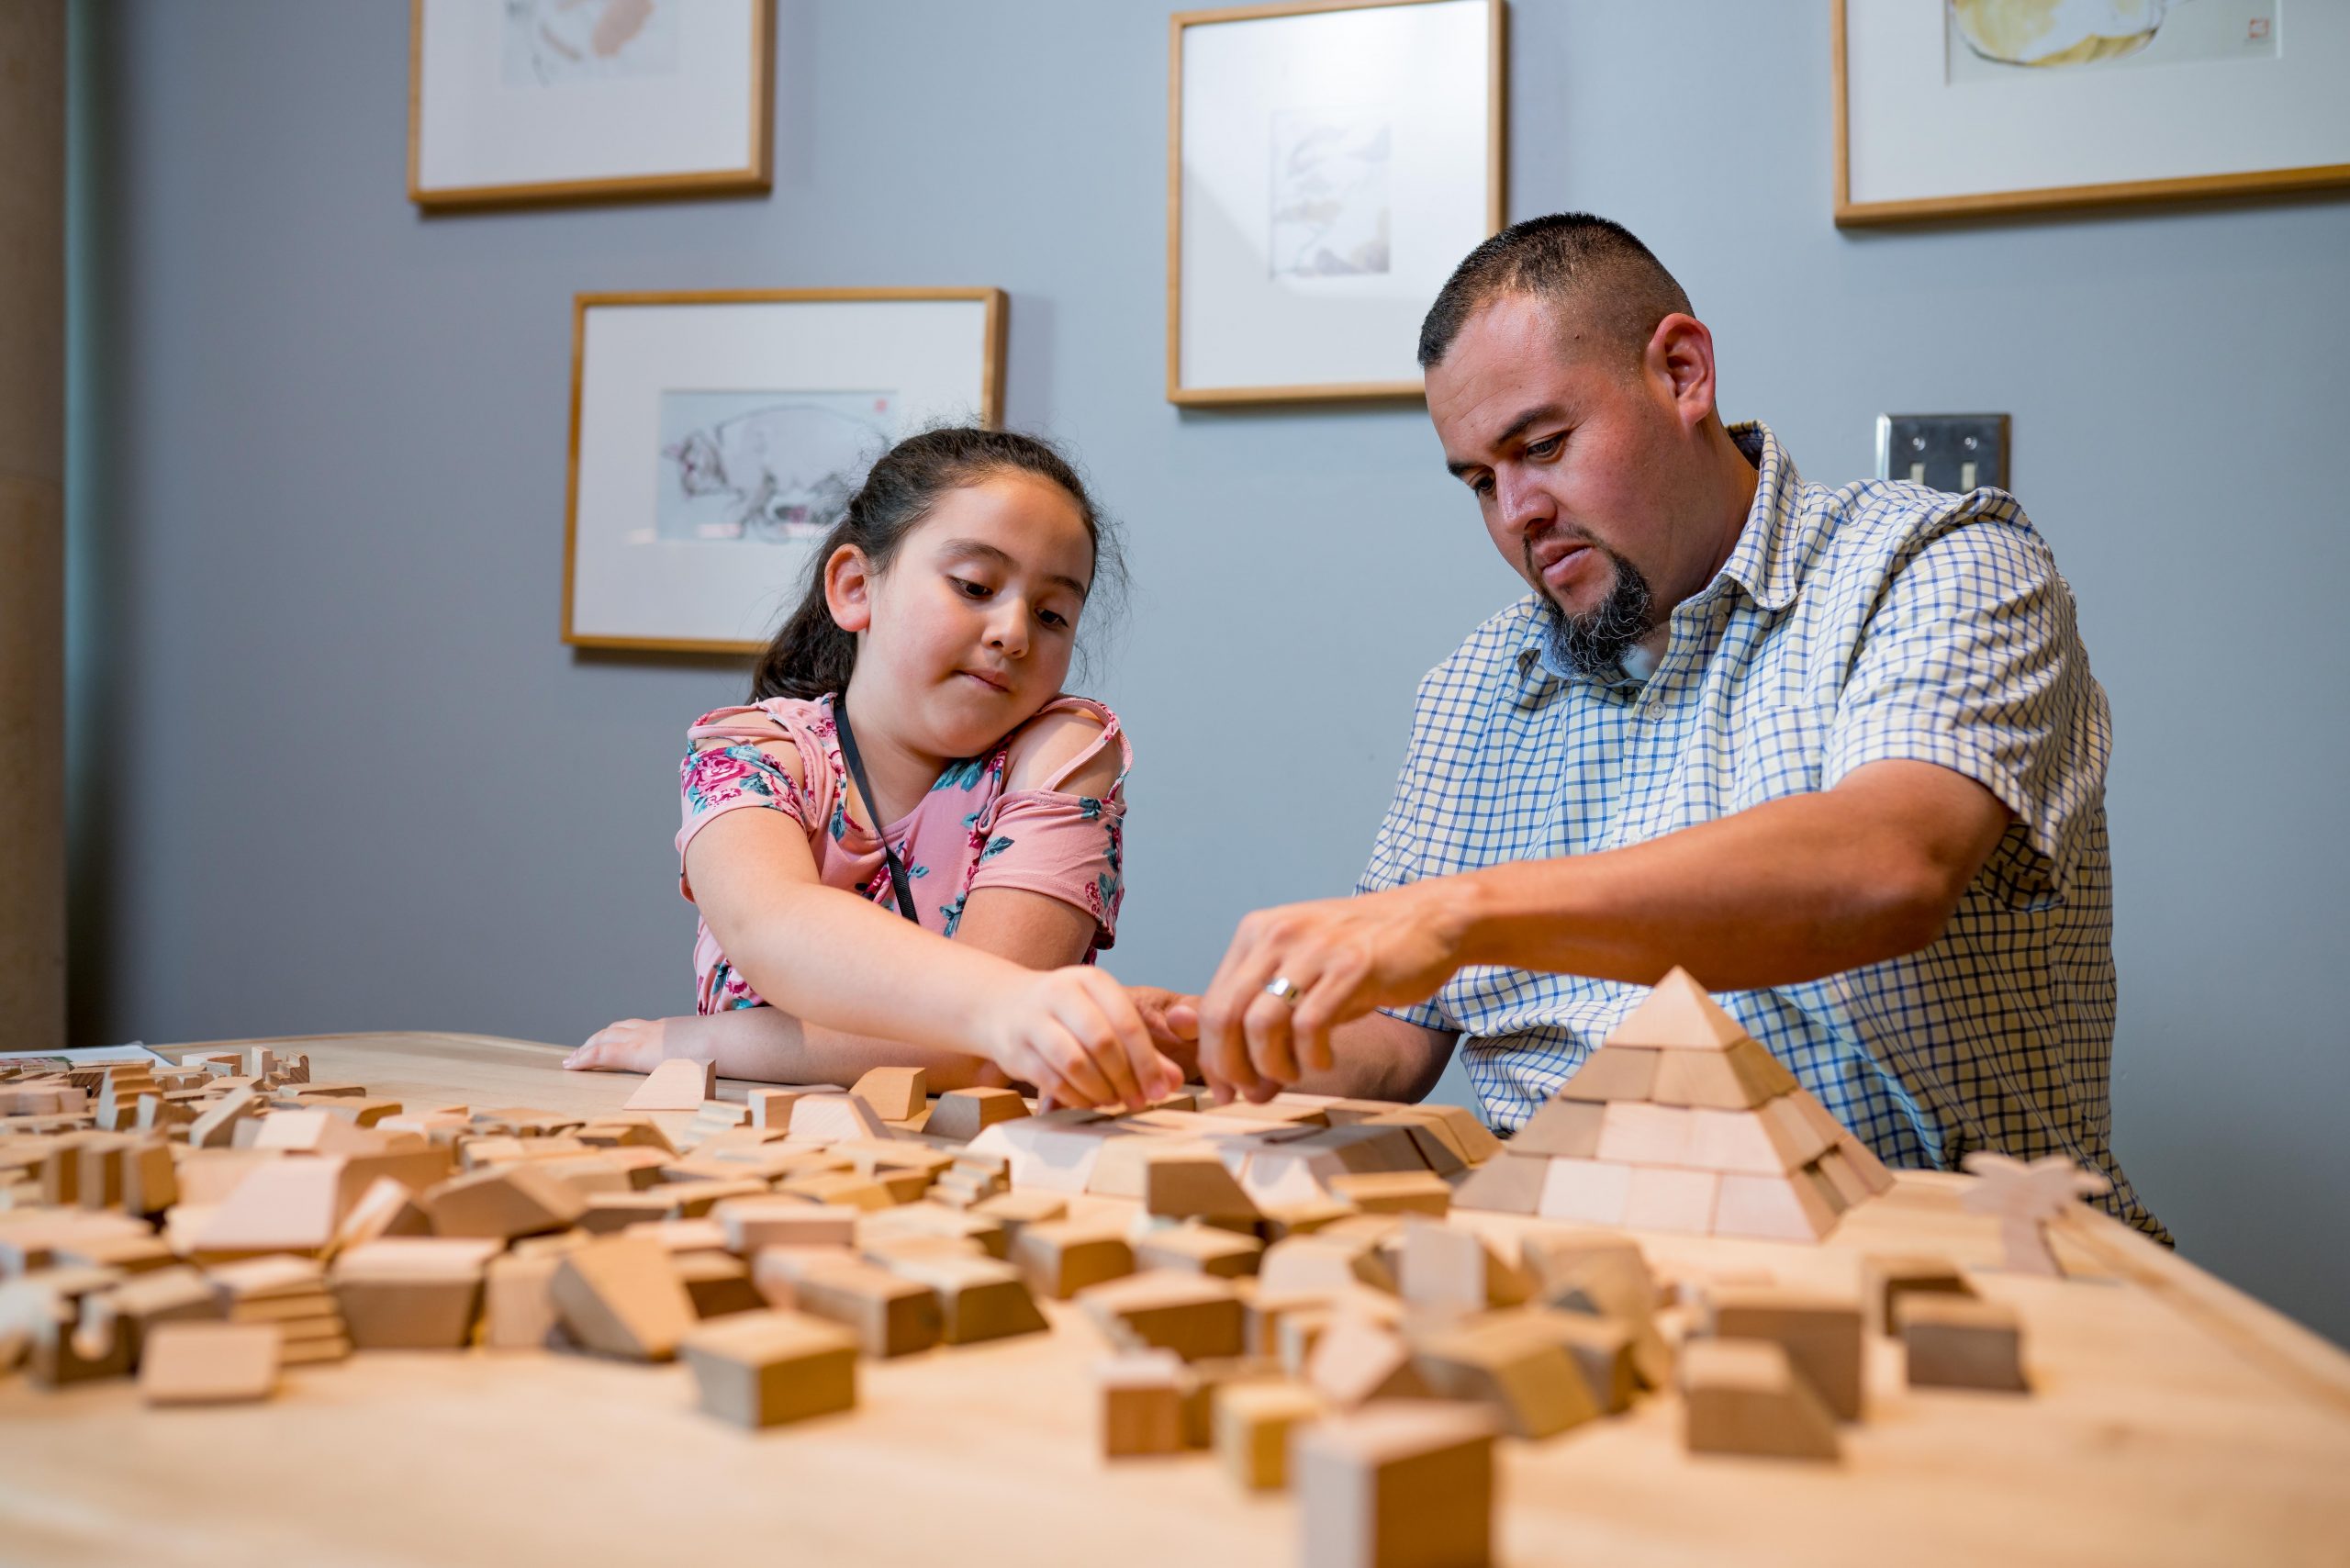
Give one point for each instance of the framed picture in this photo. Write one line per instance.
(517, 102)
(1328, 164)
(1951, 109)
(716, 437)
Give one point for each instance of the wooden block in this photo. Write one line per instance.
(281, 1205)
(771, 1108)
(1281, 1223)
(1141, 1404)
(751, 1223)
(1354, 1360)
(765, 1369)
(718, 1283)
(895, 1093)
(1523, 1375)
(888, 1316)
(1452, 1271)
(1959, 1342)
(208, 1363)
(518, 1302)
(1199, 1249)
(1842, 1177)
(1193, 1183)
(846, 1189)
(1744, 1396)
(1561, 1127)
(1821, 1336)
(1772, 1208)
(676, 1085)
(215, 1127)
(1195, 1316)
(1605, 1282)
(1321, 1262)
(1252, 1424)
(1886, 1278)
(829, 1118)
(1677, 1014)
(1404, 1484)
(620, 1297)
(1603, 1350)
(979, 1298)
(502, 1203)
(1612, 1074)
(1658, 1197)
(1509, 1183)
(1286, 1110)
(1204, 1379)
(1639, 1134)
(1060, 1258)
(412, 1292)
(1402, 1192)
(1589, 1192)
(1739, 1078)
(962, 1115)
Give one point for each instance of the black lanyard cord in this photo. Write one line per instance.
(856, 771)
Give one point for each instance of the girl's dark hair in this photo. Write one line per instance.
(810, 655)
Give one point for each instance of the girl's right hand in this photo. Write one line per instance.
(1076, 1035)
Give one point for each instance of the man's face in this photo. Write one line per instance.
(1580, 456)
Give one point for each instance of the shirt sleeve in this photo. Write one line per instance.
(738, 776)
(1399, 854)
(1972, 660)
(1070, 847)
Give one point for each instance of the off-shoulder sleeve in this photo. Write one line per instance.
(735, 775)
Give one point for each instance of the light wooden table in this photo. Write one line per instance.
(2173, 1421)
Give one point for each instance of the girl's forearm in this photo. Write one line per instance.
(770, 1045)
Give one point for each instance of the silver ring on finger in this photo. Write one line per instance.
(1285, 989)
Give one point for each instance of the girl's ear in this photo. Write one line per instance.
(849, 589)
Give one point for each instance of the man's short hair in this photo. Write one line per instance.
(1575, 261)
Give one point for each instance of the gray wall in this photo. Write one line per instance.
(333, 770)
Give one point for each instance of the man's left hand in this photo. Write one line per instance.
(1343, 957)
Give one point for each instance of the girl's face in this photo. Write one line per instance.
(969, 631)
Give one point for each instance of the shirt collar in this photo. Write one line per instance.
(1765, 561)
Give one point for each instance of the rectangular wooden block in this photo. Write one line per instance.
(1588, 1191)
(889, 1315)
(208, 1363)
(1611, 1073)
(1744, 1396)
(1821, 1336)
(764, 1369)
(1660, 1197)
(1253, 1421)
(1061, 1258)
(979, 1298)
(1141, 1404)
(961, 1115)
(1960, 1342)
(1193, 1182)
(1195, 1316)
(1405, 1484)
(1639, 1134)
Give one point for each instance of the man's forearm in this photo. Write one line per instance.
(1782, 894)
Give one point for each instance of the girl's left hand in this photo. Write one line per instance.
(633, 1045)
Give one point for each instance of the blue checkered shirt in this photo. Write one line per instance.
(1848, 626)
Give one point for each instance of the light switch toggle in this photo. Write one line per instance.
(1945, 451)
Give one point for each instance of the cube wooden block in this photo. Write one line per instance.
(676, 1085)
(1657, 1197)
(620, 1297)
(1061, 1258)
(1407, 1484)
(961, 1115)
(1744, 1396)
(1252, 1423)
(1141, 1404)
(208, 1363)
(1821, 1336)
(762, 1368)
(1958, 1342)
(1588, 1192)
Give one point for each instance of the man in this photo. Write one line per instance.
(1836, 752)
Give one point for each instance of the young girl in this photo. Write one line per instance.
(908, 772)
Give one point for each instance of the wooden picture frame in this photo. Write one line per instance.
(659, 379)
(703, 162)
(2128, 115)
(1400, 380)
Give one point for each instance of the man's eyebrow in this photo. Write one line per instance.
(996, 558)
(1518, 427)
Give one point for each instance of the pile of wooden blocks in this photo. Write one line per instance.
(1683, 1122)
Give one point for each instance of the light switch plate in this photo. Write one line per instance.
(1946, 452)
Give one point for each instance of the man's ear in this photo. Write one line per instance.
(849, 589)
(1679, 363)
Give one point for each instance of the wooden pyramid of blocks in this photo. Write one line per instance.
(1681, 1121)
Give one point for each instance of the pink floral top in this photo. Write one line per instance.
(966, 834)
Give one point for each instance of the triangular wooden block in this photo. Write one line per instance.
(676, 1085)
(1679, 1015)
(621, 1297)
(1569, 1128)
(1509, 1183)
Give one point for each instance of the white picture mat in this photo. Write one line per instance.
(1913, 135)
(1427, 65)
(931, 353)
(473, 129)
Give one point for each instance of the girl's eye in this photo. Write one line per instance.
(1052, 618)
(970, 590)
